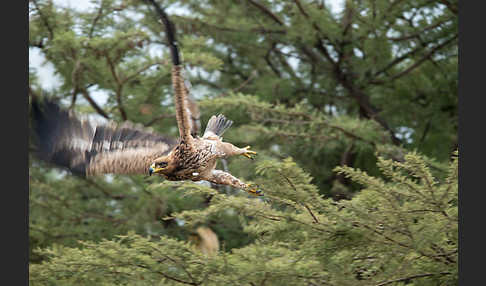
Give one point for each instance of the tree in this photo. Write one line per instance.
(358, 89)
(399, 229)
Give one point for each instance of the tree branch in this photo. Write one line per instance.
(168, 277)
(301, 9)
(155, 119)
(169, 32)
(119, 87)
(139, 71)
(417, 34)
(417, 63)
(93, 104)
(242, 85)
(266, 12)
(44, 20)
(449, 6)
(95, 20)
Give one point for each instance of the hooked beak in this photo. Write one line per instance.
(153, 169)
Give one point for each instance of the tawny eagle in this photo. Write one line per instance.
(89, 149)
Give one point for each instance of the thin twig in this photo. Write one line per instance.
(266, 12)
(95, 20)
(155, 119)
(252, 76)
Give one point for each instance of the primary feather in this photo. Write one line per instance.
(88, 148)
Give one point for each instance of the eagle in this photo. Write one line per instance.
(90, 149)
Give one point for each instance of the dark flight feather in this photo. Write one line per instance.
(87, 148)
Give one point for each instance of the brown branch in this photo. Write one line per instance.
(44, 20)
(383, 235)
(139, 71)
(119, 87)
(155, 119)
(417, 63)
(449, 6)
(305, 205)
(299, 5)
(401, 58)
(288, 68)
(168, 277)
(93, 104)
(111, 65)
(311, 213)
(120, 103)
(104, 191)
(363, 100)
(320, 46)
(75, 82)
(230, 29)
(332, 126)
(269, 62)
(266, 11)
(95, 20)
(252, 76)
(179, 264)
(417, 34)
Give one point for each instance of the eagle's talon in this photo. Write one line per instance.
(254, 191)
(248, 153)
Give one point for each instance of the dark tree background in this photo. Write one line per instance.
(376, 81)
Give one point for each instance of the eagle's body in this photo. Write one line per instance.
(196, 160)
(191, 165)
(194, 164)
(92, 149)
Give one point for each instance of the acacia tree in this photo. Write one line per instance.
(395, 231)
(299, 80)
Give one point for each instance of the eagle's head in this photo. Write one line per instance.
(161, 165)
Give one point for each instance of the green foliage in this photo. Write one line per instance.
(351, 97)
(398, 228)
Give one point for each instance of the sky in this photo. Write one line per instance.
(45, 70)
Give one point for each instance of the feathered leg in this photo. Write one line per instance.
(224, 178)
(229, 149)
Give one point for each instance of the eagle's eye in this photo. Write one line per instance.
(161, 164)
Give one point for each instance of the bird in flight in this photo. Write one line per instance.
(91, 149)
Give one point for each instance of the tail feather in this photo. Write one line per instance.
(217, 125)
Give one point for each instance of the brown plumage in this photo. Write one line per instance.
(91, 149)
(195, 158)
(88, 148)
(205, 240)
(181, 106)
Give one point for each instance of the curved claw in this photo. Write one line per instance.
(248, 153)
(254, 191)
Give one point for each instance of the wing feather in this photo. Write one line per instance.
(180, 101)
(192, 109)
(87, 148)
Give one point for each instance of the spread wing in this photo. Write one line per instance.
(87, 148)
(192, 109)
(181, 105)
